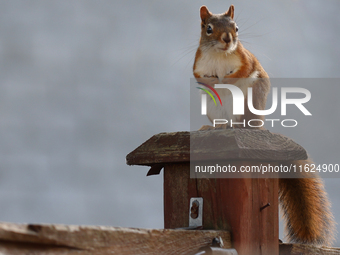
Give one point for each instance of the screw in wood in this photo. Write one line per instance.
(265, 206)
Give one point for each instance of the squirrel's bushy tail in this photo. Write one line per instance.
(306, 209)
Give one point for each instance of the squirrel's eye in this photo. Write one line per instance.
(236, 28)
(209, 30)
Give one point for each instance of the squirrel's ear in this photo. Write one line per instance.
(205, 13)
(230, 12)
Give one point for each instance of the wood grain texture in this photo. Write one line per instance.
(177, 194)
(236, 144)
(304, 249)
(61, 239)
(160, 148)
(228, 204)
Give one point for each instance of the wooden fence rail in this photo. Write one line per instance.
(68, 239)
(51, 239)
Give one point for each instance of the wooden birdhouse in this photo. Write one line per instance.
(247, 207)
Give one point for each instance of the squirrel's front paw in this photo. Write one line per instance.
(218, 126)
(221, 126)
(206, 127)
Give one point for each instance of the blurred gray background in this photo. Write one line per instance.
(84, 82)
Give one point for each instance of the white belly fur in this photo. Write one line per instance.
(213, 63)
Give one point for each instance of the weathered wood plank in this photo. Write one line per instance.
(235, 144)
(304, 249)
(160, 148)
(62, 239)
(71, 240)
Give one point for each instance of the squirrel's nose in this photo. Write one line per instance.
(226, 38)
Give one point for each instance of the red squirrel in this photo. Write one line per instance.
(221, 58)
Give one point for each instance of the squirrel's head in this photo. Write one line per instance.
(219, 31)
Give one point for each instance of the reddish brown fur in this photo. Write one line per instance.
(306, 208)
(197, 56)
(249, 64)
(260, 88)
